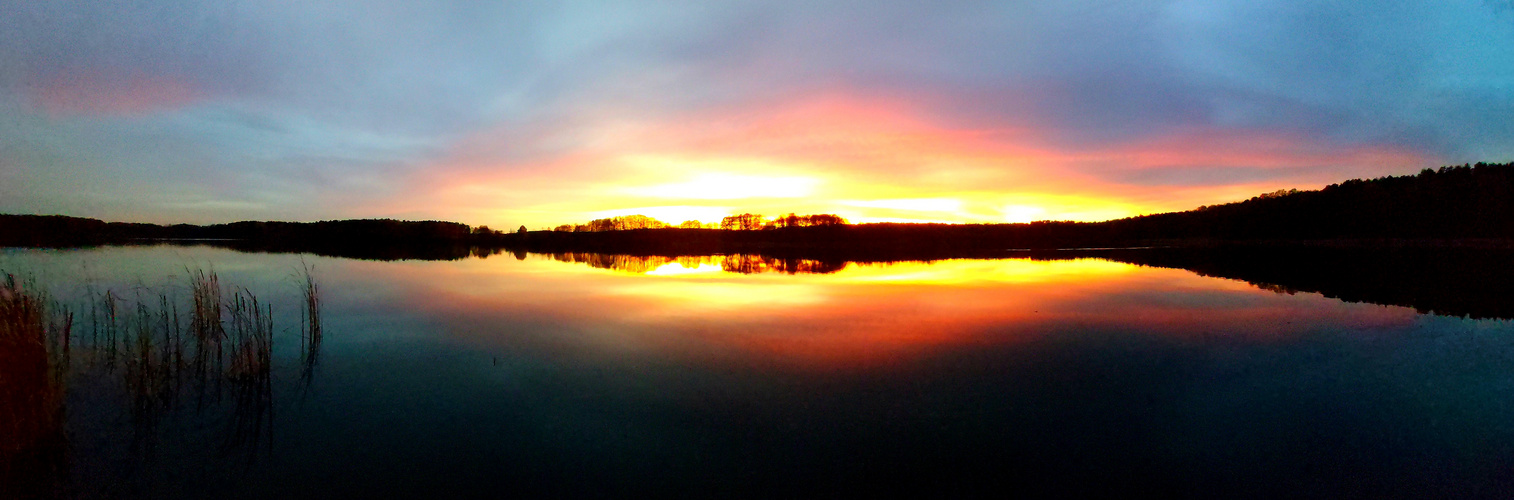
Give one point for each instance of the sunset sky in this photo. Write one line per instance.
(543, 113)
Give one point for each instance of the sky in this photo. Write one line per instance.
(544, 113)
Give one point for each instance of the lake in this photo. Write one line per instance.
(619, 376)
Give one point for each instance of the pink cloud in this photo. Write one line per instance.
(73, 93)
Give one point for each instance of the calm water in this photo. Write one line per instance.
(504, 377)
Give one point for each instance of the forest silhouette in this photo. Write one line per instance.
(1440, 241)
(1460, 205)
(1454, 205)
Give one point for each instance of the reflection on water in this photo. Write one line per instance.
(736, 263)
(709, 376)
(865, 313)
(1447, 281)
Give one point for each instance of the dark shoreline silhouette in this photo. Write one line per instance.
(1438, 241)
(1453, 206)
(1469, 205)
(63, 231)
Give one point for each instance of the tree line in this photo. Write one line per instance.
(1464, 202)
(1458, 204)
(739, 222)
(750, 222)
(49, 230)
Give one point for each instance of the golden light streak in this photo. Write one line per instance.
(677, 269)
(947, 205)
(723, 186)
(1024, 213)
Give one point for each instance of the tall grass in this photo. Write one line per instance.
(204, 346)
(161, 348)
(251, 364)
(206, 322)
(311, 316)
(34, 342)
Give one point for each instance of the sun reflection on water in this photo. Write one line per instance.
(750, 309)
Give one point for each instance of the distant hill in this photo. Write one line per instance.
(1468, 201)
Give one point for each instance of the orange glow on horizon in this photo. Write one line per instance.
(867, 159)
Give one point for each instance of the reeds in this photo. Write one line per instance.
(158, 347)
(311, 325)
(311, 293)
(205, 347)
(206, 323)
(251, 364)
(33, 341)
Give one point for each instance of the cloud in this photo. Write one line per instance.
(333, 108)
(877, 159)
(94, 94)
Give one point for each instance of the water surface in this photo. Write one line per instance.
(587, 375)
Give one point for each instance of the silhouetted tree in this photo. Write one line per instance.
(621, 223)
(743, 222)
(822, 220)
(784, 221)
